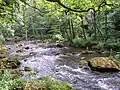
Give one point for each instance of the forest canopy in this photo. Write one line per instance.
(64, 20)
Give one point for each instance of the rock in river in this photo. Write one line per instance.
(104, 64)
(9, 62)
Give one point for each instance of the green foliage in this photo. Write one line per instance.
(116, 18)
(7, 82)
(114, 46)
(79, 41)
(39, 19)
(2, 39)
(53, 84)
(57, 38)
(117, 55)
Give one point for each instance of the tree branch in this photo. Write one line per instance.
(70, 9)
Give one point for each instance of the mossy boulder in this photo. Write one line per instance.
(104, 64)
(9, 63)
(3, 51)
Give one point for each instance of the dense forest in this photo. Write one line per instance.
(59, 45)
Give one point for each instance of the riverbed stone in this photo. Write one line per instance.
(27, 48)
(88, 52)
(104, 64)
(83, 62)
(27, 69)
(82, 58)
(59, 45)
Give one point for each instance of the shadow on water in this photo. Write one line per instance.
(62, 63)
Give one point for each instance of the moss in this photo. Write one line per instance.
(102, 61)
(118, 64)
(116, 60)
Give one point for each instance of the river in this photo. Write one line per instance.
(62, 63)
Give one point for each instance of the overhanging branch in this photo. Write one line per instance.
(104, 3)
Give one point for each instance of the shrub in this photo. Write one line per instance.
(113, 46)
(79, 42)
(84, 42)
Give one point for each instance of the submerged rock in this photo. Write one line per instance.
(82, 58)
(103, 64)
(59, 45)
(27, 68)
(27, 48)
(19, 51)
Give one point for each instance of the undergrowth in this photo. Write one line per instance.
(7, 82)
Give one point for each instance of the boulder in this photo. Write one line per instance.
(104, 64)
(83, 62)
(27, 69)
(3, 51)
(27, 48)
(9, 62)
(59, 45)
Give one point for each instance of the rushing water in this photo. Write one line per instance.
(62, 63)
